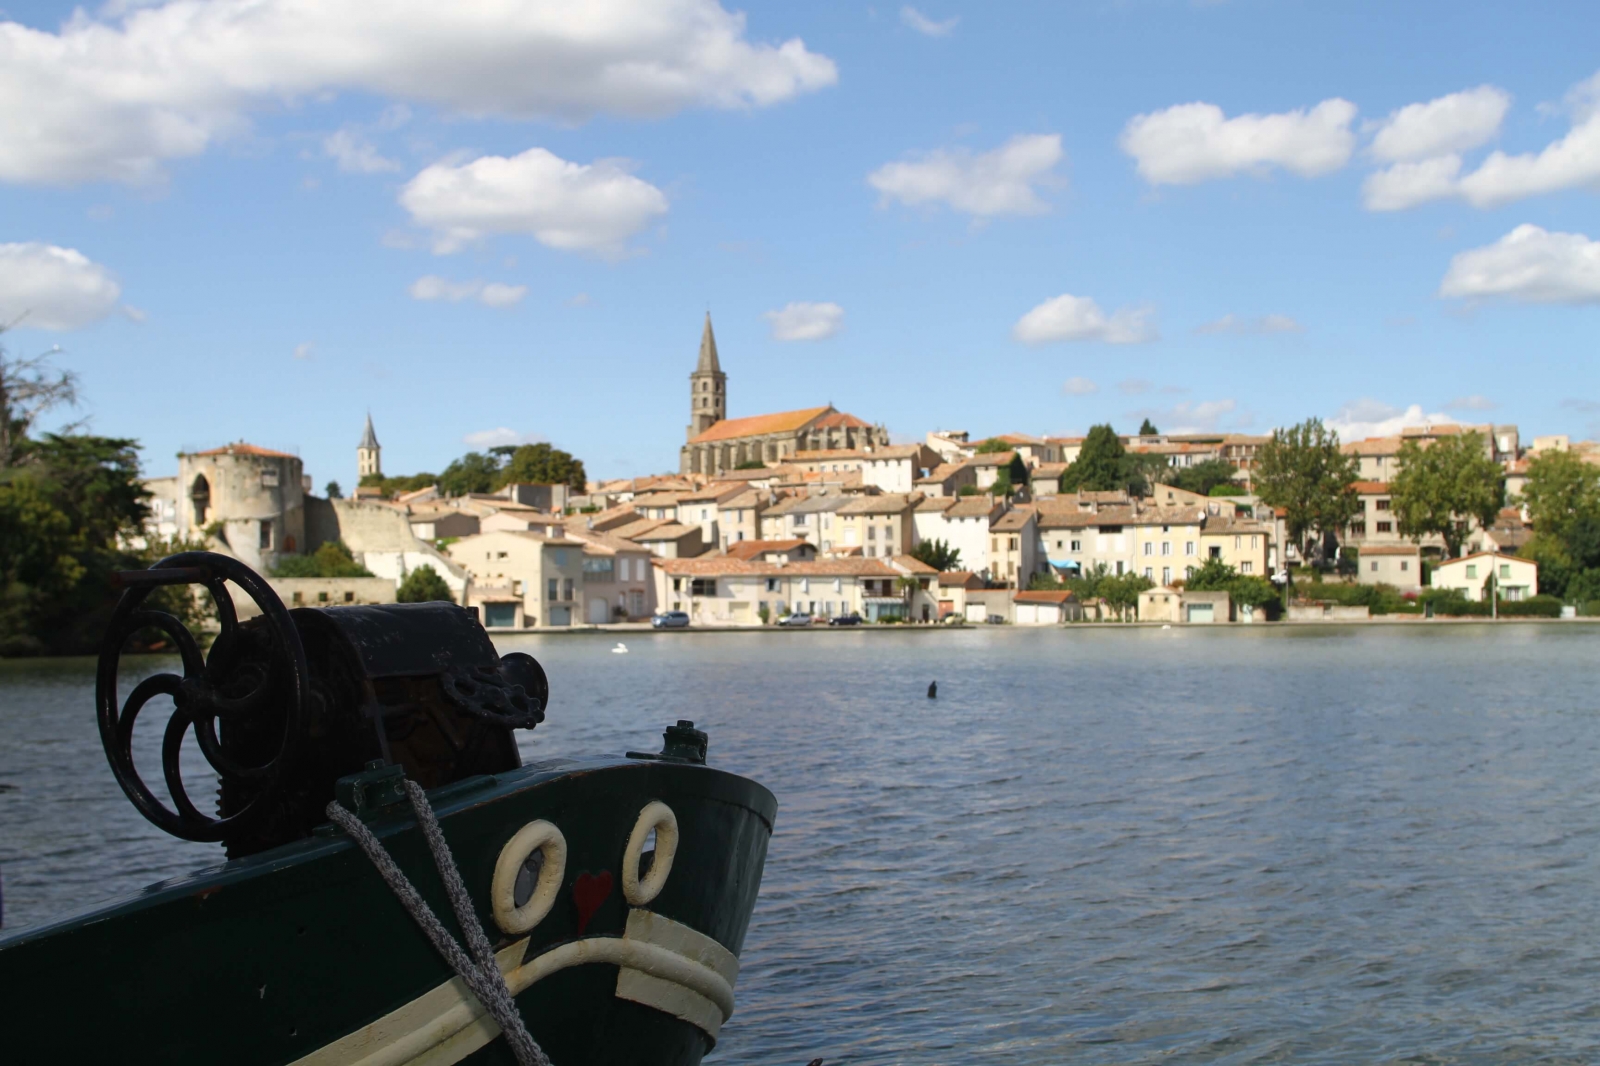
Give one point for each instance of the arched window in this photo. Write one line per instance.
(200, 496)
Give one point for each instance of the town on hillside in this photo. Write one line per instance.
(815, 515)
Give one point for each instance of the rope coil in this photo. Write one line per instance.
(479, 971)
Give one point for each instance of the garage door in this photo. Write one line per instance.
(561, 616)
(501, 615)
(1201, 612)
(598, 611)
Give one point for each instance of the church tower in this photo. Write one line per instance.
(708, 386)
(368, 452)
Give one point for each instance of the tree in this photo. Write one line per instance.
(1302, 470)
(1100, 465)
(1203, 477)
(992, 445)
(540, 464)
(1121, 592)
(331, 559)
(1148, 428)
(394, 486)
(473, 472)
(1213, 575)
(424, 585)
(1010, 476)
(28, 388)
(1445, 487)
(937, 554)
(1560, 488)
(751, 464)
(333, 491)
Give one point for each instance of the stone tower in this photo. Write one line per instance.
(708, 387)
(369, 452)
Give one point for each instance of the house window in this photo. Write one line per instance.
(1472, 569)
(1381, 505)
(772, 584)
(266, 535)
(299, 598)
(1385, 527)
(1188, 547)
(677, 584)
(1166, 575)
(1149, 547)
(1247, 567)
(1149, 574)
(553, 589)
(561, 556)
(1077, 545)
(1238, 542)
(805, 584)
(838, 584)
(499, 555)
(269, 478)
(1405, 564)
(1374, 566)
(872, 532)
(1505, 570)
(1253, 540)
(703, 586)
(1215, 552)
(1166, 547)
(349, 597)
(322, 597)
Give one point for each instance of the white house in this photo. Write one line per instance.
(1515, 577)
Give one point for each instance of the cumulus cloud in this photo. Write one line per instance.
(1471, 403)
(1079, 387)
(1529, 265)
(1079, 318)
(113, 97)
(926, 26)
(593, 207)
(490, 294)
(999, 182)
(805, 321)
(1259, 325)
(500, 437)
(1194, 416)
(355, 154)
(1444, 126)
(46, 287)
(1193, 142)
(1367, 417)
(1571, 162)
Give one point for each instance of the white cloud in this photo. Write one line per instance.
(1529, 265)
(1572, 162)
(1409, 184)
(355, 154)
(1000, 182)
(115, 97)
(583, 299)
(46, 287)
(1135, 386)
(1262, 324)
(805, 321)
(1079, 387)
(1195, 416)
(1367, 417)
(1445, 126)
(592, 207)
(925, 25)
(1471, 403)
(303, 350)
(1193, 142)
(490, 294)
(1078, 318)
(500, 437)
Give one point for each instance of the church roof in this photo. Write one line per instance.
(756, 425)
(708, 351)
(241, 448)
(369, 439)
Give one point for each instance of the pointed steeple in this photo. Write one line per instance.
(708, 351)
(369, 439)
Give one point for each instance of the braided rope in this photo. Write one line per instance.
(481, 974)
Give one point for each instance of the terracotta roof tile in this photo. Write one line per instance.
(241, 448)
(756, 425)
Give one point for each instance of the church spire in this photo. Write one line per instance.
(369, 439)
(708, 351)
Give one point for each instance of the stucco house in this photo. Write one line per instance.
(1516, 578)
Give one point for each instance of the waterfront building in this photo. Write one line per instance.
(962, 522)
(1242, 543)
(725, 590)
(1161, 543)
(876, 526)
(1515, 578)
(1045, 607)
(1014, 547)
(522, 579)
(1399, 565)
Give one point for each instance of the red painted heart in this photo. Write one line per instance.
(588, 892)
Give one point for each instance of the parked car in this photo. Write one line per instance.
(851, 619)
(670, 620)
(796, 620)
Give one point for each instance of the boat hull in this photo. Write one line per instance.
(303, 955)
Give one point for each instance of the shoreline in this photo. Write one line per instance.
(1381, 620)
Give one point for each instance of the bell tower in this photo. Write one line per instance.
(368, 452)
(708, 387)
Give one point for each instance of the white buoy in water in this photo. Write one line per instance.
(1166, 627)
(620, 649)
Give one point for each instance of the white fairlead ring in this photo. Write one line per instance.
(511, 918)
(658, 816)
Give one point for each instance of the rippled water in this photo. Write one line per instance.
(1224, 846)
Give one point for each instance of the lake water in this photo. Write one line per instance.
(1321, 845)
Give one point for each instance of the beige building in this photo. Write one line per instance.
(877, 525)
(1047, 607)
(545, 575)
(1242, 543)
(618, 580)
(253, 497)
(1165, 604)
(947, 479)
(963, 523)
(1014, 547)
(1399, 565)
(952, 588)
(1162, 543)
(894, 468)
(1515, 578)
(808, 518)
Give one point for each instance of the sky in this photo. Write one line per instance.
(492, 221)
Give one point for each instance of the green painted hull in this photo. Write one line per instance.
(271, 958)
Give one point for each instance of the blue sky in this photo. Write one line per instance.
(240, 223)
